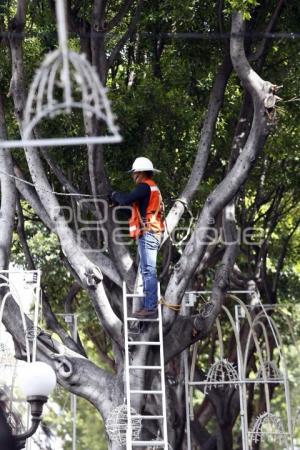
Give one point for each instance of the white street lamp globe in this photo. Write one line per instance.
(37, 379)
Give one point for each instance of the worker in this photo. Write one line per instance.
(146, 225)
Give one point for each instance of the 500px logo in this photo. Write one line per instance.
(96, 225)
(89, 212)
(212, 236)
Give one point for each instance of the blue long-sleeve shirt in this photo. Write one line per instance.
(140, 194)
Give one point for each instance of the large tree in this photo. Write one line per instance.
(205, 112)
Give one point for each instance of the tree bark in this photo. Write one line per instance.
(8, 195)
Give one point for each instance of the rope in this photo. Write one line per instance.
(172, 306)
(36, 186)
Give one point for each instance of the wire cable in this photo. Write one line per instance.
(37, 187)
(166, 35)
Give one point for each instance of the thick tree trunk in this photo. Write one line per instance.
(8, 195)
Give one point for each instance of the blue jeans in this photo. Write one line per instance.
(148, 245)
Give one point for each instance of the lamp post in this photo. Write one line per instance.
(37, 382)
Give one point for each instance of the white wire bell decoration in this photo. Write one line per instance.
(117, 424)
(64, 82)
(271, 370)
(220, 374)
(269, 428)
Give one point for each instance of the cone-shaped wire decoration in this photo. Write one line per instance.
(221, 373)
(65, 82)
(269, 427)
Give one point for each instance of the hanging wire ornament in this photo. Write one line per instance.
(269, 428)
(220, 374)
(64, 82)
(271, 370)
(117, 423)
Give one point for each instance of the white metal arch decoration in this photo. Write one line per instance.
(265, 425)
(267, 363)
(271, 419)
(72, 76)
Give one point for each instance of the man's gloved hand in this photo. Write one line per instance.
(111, 201)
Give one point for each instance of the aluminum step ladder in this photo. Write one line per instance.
(158, 443)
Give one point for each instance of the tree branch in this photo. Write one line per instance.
(260, 52)
(130, 30)
(214, 106)
(233, 181)
(124, 8)
(249, 78)
(282, 255)
(8, 195)
(222, 277)
(89, 274)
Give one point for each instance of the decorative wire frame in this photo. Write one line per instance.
(296, 421)
(272, 372)
(8, 372)
(263, 322)
(6, 356)
(8, 376)
(220, 374)
(206, 310)
(28, 279)
(117, 424)
(32, 333)
(10, 368)
(268, 428)
(65, 81)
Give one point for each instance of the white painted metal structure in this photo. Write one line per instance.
(29, 280)
(13, 281)
(268, 425)
(161, 391)
(67, 74)
(72, 321)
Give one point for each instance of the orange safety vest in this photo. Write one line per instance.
(154, 214)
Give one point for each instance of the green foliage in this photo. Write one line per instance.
(243, 6)
(90, 433)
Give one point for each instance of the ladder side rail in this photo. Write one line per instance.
(163, 381)
(188, 400)
(127, 379)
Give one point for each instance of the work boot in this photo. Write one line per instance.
(146, 313)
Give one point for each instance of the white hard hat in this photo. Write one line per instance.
(143, 164)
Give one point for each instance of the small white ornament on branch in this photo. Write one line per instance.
(117, 424)
(220, 374)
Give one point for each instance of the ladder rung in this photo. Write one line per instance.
(145, 367)
(148, 443)
(148, 417)
(135, 391)
(143, 343)
(135, 319)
